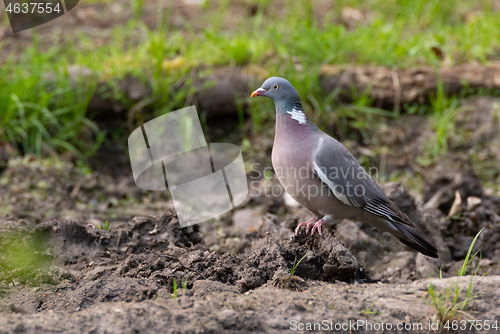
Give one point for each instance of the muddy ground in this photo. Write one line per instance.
(61, 270)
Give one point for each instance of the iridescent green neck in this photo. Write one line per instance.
(292, 103)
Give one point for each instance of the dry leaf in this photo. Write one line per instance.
(457, 203)
(472, 202)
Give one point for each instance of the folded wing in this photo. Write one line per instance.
(351, 184)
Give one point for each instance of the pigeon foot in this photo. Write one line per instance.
(308, 225)
(317, 226)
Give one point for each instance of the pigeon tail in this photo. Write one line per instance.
(416, 242)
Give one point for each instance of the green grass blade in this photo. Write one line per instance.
(466, 264)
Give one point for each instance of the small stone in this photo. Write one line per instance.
(426, 267)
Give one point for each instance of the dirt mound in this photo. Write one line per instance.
(143, 258)
(325, 259)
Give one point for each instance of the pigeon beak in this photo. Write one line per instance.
(259, 92)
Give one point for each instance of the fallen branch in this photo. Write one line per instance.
(391, 88)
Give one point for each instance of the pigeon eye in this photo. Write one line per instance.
(276, 87)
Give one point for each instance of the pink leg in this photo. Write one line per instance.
(318, 227)
(308, 225)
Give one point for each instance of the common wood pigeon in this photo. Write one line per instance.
(323, 176)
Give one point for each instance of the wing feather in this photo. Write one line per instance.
(351, 184)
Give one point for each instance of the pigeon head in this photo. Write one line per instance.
(277, 89)
(284, 96)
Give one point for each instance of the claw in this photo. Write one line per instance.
(317, 226)
(308, 225)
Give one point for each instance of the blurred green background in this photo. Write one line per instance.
(44, 111)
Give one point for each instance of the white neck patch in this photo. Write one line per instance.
(298, 115)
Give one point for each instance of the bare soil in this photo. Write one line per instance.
(60, 272)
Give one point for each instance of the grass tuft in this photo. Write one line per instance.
(295, 265)
(106, 227)
(45, 116)
(371, 311)
(175, 288)
(447, 303)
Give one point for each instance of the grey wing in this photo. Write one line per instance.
(351, 184)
